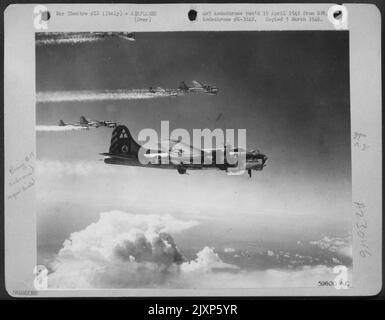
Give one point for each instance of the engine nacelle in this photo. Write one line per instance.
(182, 169)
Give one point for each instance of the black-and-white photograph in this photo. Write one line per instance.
(193, 159)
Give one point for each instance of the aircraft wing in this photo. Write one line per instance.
(180, 150)
(213, 149)
(127, 36)
(93, 123)
(155, 155)
(117, 156)
(187, 149)
(231, 151)
(166, 145)
(197, 84)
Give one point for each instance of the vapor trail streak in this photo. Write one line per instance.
(78, 96)
(47, 42)
(41, 128)
(58, 38)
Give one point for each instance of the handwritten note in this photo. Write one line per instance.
(359, 140)
(21, 177)
(360, 229)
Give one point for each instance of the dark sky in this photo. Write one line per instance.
(289, 90)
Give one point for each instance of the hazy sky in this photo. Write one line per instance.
(289, 90)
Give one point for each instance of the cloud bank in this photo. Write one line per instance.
(124, 250)
(338, 245)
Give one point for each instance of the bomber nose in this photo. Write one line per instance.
(264, 158)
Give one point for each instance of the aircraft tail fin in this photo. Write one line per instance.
(83, 120)
(61, 123)
(122, 142)
(183, 86)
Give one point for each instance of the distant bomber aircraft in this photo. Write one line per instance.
(124, 150)
(97, 123)
(184, 88)
(77, 125)
(198, 87)
(87, 123)
(160, 90)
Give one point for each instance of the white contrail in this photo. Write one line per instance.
(88, 95)
(58, 38)
(41, 128)
(47, 42)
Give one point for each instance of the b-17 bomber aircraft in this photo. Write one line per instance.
(198, 87)
(73, 125)
(155, 90)
(183, 88)
(88, 123)
(97, 123)
(124, 150)
(170, 92)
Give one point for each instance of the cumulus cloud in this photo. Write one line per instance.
(337, 245)
(119, 250)
(207, 260)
